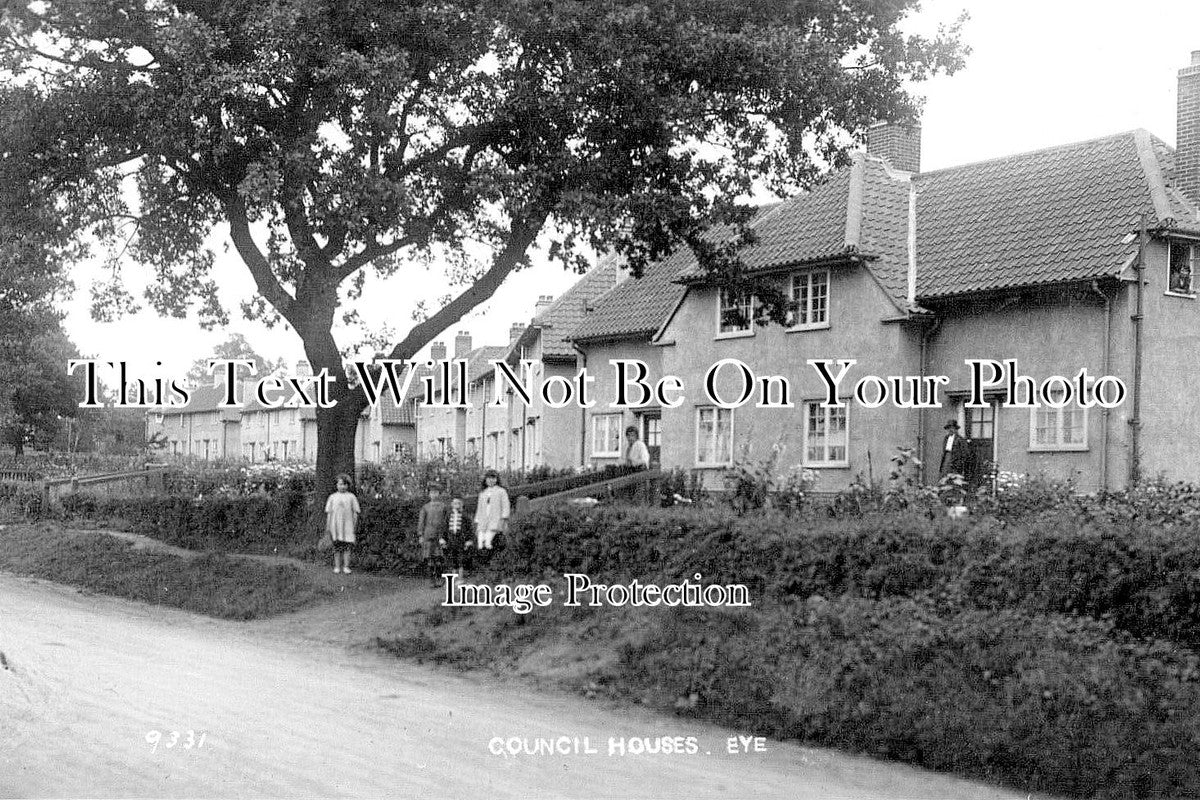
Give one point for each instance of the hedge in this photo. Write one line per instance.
(286, 523)
(1145, 579)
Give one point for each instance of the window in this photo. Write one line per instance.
(735, 314)
(606, 435)
(714, 437)
(1058, 428)
(1181, 267)
(809, 292)
(826, 435)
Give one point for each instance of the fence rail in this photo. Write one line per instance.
(636, 484)
(149, 478)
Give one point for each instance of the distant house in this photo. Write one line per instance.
(1033, 257)
(444, 430)
(541, 435)
(198, 430)
(253, 432)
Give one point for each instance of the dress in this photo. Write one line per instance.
(341, 513)
(490, 514)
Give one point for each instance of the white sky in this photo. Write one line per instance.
(1042, 73)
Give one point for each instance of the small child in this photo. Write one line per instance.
(457, 536)
(341, 521)
(431, 531)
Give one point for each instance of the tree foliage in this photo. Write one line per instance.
(234, 347)
(336, 138)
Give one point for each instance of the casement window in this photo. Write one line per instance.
(1058, 428)
(606, 435)
(1181, 267)
(714, 437)
(809, 293)
(826, 435)
(735, 314)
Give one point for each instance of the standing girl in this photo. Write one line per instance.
(491, 515)
(341, 520)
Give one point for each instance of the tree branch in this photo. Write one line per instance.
(268, 285)
(522, 236)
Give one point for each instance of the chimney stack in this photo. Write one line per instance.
(515, 332)
(462, 344)
(543, 302)
(1187, 130)
(437, 351)
(900, 146)
(303, 368)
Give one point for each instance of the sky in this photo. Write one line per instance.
(1041, 73)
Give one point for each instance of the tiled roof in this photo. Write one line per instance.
(808, 227)
(201, 399)
(637, 306)
(564, 315)
(479, 361)
(1048, 216)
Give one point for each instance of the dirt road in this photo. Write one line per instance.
(85, 679)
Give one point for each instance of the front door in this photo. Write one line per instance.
(980, 428)
(651, 425)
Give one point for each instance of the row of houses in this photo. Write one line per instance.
(251, 432)
(1073, 257)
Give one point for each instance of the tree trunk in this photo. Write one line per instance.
(336, 429)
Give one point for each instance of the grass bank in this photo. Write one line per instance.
(213, 584)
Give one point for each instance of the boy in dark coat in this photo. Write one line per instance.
(431, 532)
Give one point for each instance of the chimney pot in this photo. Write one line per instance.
(543, 302)
(515, 332)
(897, 144)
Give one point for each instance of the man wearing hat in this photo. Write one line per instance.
(954, 450)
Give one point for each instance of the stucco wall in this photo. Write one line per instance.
(857, 310)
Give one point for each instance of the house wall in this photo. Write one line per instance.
(1170, 413)
(857, 308)
(604, 389)
(196, 434)
(1056, 332)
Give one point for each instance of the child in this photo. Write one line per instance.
(341, 520)
(457, 536)
(431, 531)
(491, 515)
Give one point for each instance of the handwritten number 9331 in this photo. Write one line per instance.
(190, 739)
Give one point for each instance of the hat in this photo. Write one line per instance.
(952, 424)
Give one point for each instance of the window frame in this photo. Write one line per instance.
(791, 292)
(608, 420)
(700, 464)
(1192, 258)
(733, 334)
(827, 463)
(1058, 446)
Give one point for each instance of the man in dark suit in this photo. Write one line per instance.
(954, 450)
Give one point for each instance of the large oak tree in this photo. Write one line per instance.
(337, 138)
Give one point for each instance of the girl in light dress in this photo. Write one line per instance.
(491, 515)
(341, 521)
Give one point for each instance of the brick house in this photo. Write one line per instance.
(1033, 257)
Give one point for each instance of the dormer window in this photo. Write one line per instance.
(1181, 267)
(809, 292)
(735, 314)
